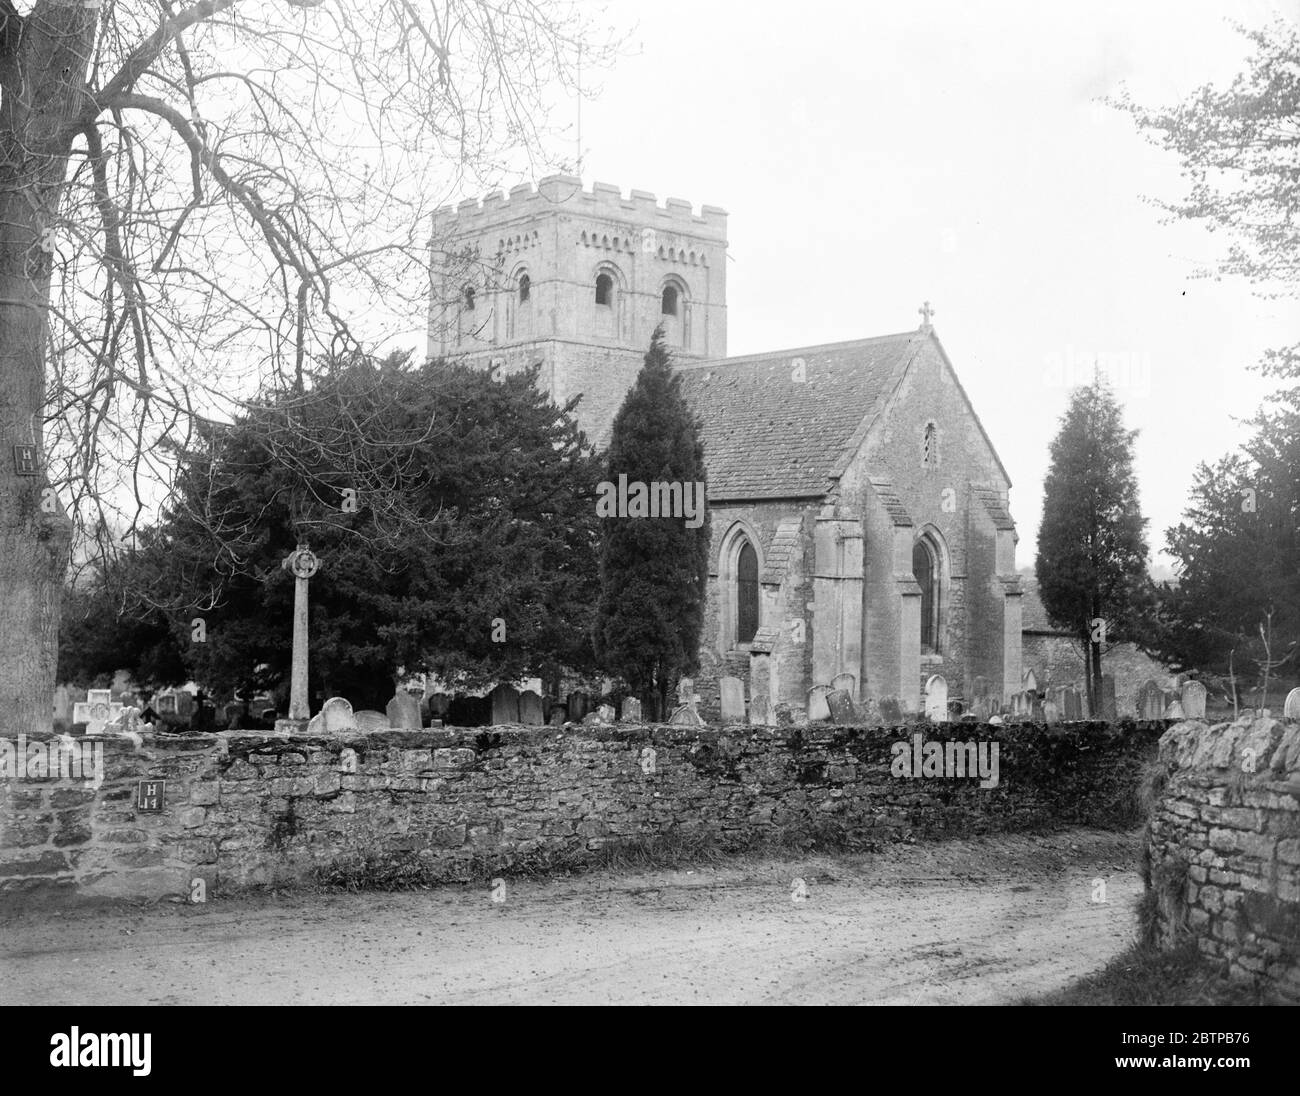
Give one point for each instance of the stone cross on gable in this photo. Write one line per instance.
(302, 564)
(926, 312)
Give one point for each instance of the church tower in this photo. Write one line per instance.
(577, 280)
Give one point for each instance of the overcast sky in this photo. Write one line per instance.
(872, 156)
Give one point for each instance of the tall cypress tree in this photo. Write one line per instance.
(1092, 551)
(653, 570)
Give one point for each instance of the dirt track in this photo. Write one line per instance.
(962, 922)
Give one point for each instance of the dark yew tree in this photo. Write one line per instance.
(1092, 552)
(469, 549)
(653, 570)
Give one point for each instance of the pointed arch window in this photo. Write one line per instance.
(746, 593)
(925, 569)
(930, 446)
(525, 288)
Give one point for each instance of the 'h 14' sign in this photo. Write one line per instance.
(151, 795)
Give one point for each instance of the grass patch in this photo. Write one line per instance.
(1144, 975)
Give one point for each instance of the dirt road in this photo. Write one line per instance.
(974, 921)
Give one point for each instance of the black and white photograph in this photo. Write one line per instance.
(546, 502)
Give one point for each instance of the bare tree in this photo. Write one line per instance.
(197, 201)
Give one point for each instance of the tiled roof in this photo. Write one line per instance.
(889, 499)
(767, 435)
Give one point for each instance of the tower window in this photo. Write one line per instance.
(668, 306)
(925, 569)
(930, 446)
(525, 287)
(469, 298)
(746, 593)
(604, 289)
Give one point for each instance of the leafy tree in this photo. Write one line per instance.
(197, 199)
(653, 571)
(1092, 553)
(1239, 560)
(466, 547)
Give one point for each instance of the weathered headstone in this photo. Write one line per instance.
(841, 705)
(1175, 710)
(936, 699)
(1193, 698)
(818, 709)
(1109, 709)
(559, 716)
(1151, 701)
(1051, 712)
(606, 713)
(1030, 681)
(1073, 705)
(530, 708)
(979, 687)
(632, 710)
(505, 705)
(731, 692)
(848, 683)
(1291, 709)
(891, 711)
(403, 711)
(368, 721)
(1037, 714)
(335, 717)
(685, 714)
(760, 711)
(578, 706)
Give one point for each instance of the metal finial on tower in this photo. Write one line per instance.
(926, 312)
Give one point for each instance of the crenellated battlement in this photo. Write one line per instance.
(565, 192)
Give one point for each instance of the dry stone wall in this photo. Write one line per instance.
(242, 808)
(1223, 848)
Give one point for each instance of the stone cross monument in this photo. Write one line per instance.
(302, 564)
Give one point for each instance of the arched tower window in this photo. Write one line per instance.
(604, 290)
(525, 288)
(668, 303)
(746, 593)
(469, 298)
(926, 571)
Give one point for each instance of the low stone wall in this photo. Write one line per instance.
(1223, 846)
(244, 808)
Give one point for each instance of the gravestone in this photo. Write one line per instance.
(760, 711)
(982, 709)
(979, 687)
(1151, 701)
(1175, 710)
(732, 693)
(891, 711)
(848, 683)
(1193, 697)
(1030, 682)
(335, 717)
(559, 716)
(818, 709)
(605, 713)
(403, 711)
(530, 708)
(1073, 705)
(1109, 709)
(505, 705)
(631, 710)
(578, 706)
(368, 721)
(685, 715)
(1291, 709)
(233, 714)
(1051, 712)
(841, 705)
(439, 705)
(1037, 714)
(936, 699)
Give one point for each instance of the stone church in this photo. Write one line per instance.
(861, 530)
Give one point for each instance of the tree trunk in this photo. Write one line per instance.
(43, 64)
